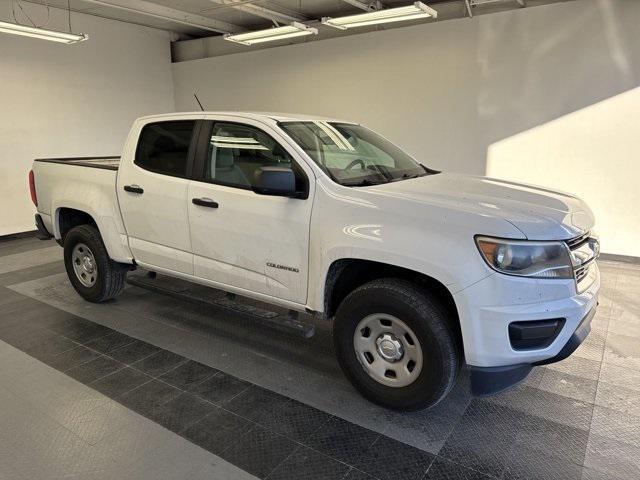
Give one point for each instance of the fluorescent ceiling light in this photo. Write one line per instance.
(239, 146)
(41, 33)
(412, 12)
(223, 138)
(237, 142)
(271, 34)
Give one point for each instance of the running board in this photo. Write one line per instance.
(198, 294)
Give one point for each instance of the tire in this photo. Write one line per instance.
(102, 282)
(408, 309)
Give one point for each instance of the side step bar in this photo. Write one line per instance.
(183, 290)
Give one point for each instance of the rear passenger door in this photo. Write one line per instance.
(152, 191)
(241, 239)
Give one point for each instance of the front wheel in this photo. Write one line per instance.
(395, 345)
(92, 273)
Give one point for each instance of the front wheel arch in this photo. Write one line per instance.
(347, 274)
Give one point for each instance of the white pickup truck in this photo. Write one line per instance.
(419, 270)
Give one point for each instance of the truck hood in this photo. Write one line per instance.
(539, 213)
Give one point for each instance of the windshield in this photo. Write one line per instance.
(353, 155)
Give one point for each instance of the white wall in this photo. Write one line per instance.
(593, 153)
(460, 93)
(73, 100)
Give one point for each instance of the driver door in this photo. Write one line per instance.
(241, 239)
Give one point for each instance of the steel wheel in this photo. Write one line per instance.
(84, 265)
(388, 350)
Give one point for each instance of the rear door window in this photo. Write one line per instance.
(164, 147)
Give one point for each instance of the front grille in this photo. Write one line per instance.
(578, 241)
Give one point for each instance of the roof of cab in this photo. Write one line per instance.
(278, 117)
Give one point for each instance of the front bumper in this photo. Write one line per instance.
(488, 307)
(492, 380)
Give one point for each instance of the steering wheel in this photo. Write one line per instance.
(354, 163)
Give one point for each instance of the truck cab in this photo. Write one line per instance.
(194, 202)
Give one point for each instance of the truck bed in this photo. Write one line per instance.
(87, 184)
(108, 163)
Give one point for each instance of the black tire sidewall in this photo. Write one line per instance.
(90, 236)
(428, 322)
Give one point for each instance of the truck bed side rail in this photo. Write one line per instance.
(106, 163)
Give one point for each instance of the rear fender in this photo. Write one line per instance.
(109, 225)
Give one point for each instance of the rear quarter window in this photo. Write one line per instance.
(164, 147)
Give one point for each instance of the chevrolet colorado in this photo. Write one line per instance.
(419, 270)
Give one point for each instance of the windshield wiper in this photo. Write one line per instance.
(365, 182)
(406, 176)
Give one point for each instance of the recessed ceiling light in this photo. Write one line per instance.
(411, 12)
(272, 34)
(41, 33)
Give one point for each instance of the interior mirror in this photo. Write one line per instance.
(276, 181)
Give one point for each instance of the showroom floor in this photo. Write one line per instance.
(155, 386)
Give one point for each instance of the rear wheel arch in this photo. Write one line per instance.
(67, 218)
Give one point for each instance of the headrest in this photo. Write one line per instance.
(224, 157)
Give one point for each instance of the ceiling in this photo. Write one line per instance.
(203, 18)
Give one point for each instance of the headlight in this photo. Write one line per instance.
(526, 258)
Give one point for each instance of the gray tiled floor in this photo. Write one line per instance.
(576, 419)
(52, 427)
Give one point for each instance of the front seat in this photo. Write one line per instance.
(226, 170)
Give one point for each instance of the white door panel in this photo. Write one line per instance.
(161, 256)
(251, 241)
(157, 220)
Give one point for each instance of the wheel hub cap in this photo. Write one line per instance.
(388, 350)
(84, 264)
(87, 264)
(389, 347)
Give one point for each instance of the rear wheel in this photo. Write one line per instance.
(92, 273)
(394, 343)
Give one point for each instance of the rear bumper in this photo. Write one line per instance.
(43, 233)
(492, 380)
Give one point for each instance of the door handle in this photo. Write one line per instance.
(133, 189)
(204, 202)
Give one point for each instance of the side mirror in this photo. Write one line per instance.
(280, 181)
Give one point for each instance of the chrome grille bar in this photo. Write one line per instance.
(578, 241)
(584, 251)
